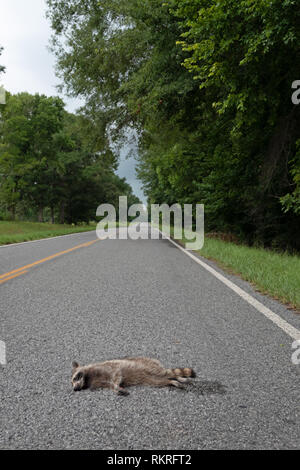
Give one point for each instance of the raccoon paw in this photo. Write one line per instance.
(175, 383)
(183, 380)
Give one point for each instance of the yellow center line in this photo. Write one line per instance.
(12, 277)
(46, 259)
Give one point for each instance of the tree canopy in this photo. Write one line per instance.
(54, 162)
(207, 86)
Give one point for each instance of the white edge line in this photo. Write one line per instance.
(45, 239)
(280, 322)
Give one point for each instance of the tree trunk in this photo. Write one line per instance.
(13, 212)
(278, 151)
(62, 213)
(52, 215)
(40, 216)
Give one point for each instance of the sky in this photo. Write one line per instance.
(25, 33)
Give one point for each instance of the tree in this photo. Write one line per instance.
(207, 86)
(54, 160)
(26, 153)
(127, 72)
(248, 70)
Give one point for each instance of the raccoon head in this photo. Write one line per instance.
(79, 377)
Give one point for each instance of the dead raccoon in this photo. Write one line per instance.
(119, 373)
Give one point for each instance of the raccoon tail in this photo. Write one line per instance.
(183, 372)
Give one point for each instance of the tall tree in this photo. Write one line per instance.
(219, 130)
(248, 69)
(122, 58)
(28, 125)
(50, 159)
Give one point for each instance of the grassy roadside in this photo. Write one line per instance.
(16, 232)
(275, 274)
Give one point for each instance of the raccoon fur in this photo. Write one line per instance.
(120, 373)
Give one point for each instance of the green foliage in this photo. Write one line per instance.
(17, 232)
(106, 51)
(207, 86)
(276, 274)
(50, 159)
(291, 201)
(247, 69)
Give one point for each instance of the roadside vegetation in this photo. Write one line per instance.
(17, 232)
(207, 85)
(275, 274)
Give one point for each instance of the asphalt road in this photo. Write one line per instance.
(122, 297)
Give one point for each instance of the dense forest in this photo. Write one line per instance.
(206, 86)
(54, 165)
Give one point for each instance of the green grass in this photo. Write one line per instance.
(16, 232)
(271, 273)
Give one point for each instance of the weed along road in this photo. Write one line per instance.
(84, 299)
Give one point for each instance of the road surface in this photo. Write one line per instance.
(113, 298)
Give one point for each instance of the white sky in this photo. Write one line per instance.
(25, 33)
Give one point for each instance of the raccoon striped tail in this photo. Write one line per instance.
(184, 372)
